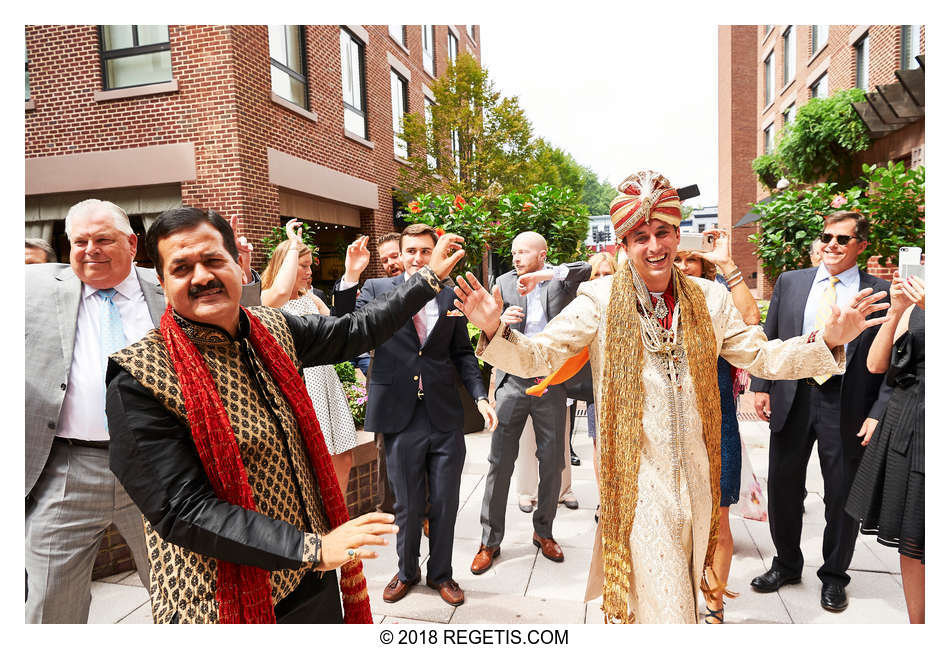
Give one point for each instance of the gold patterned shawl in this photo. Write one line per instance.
(622, 424)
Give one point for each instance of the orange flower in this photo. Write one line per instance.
(527, 206)
(414, 207)
(439, 231)
(459, 202)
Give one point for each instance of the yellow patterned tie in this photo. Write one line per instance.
(828, 297)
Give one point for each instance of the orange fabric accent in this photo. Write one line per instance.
(571, 367)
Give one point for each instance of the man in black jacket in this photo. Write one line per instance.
(198, 533)
(413, 401)
(836, 411)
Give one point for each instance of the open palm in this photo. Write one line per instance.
(483, 309)
(844, 325)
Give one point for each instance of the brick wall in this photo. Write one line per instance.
(223, 105)
(838, 58)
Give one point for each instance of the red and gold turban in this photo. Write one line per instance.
(644, 195)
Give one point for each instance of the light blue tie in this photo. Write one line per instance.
(111, 336)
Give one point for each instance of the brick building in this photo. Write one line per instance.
(767, 71)
(264, 122)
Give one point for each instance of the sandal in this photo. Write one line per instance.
(714, 614)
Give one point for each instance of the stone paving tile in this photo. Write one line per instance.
(593, 614)
(490, 608)
(420, 603)
(508, 575)
(112, 602)
(141, 615)
(119, 576)
(561, 581)
(873, 598)
(387, 564)
(131, 579)
(392, 619)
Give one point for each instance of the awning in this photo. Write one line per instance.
(752, 216)
(895, 105)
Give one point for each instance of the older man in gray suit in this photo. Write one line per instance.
(76, 315)
(533, 293)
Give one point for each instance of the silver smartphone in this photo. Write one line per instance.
(704, 241)
(908, 262)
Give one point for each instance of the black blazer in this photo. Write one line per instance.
(555, 295)
(863, 394)
(397, 364)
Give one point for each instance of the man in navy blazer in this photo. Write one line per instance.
(413, 401)
(838, 412)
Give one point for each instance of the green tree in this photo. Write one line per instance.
(597, 193)
(895, 207)
(820, 144)
(481, 142)
(468, 219)
(553, 212)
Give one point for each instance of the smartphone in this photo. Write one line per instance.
(908, 262)
(704, 241)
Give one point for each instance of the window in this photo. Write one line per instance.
(820, 87)
(819, 37)
(399, 93)
(471, 32)
(455, 153)
(861, 63)
(788, 42)
(769, 79)
(398, 32)
(428, 49)
(134, 55)
(27, 57)
(910, 46)
(431, 160)
(769, 138)
(354, 84)
(288, 67)
(789, 114)
(453, 48)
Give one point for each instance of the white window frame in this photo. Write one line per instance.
(354, 74)
(862, 61)
(431, 160)
(399, 99)
(428, 49)
(769, 80)
(910, 46)
(789, 54)
(453, 53)
(819, 37)
(398, 33)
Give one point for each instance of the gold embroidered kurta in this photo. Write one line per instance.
(671, 526)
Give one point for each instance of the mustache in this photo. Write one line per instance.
(195, 291)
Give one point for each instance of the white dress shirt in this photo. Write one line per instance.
(848, 286)
(83, 414)
(535, 317)
(431, 309)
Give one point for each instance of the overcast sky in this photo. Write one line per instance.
(616, 97)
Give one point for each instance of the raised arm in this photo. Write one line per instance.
(895, 324)
(741, 295)
(284, 287)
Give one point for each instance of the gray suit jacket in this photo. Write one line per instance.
(555, 295)
(52, 300)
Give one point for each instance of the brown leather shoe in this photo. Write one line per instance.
(549, 548)
(396, 590)
(425, 527)
(449, 590)
(484, 558)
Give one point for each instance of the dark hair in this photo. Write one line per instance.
(389, 236)
(186, 218)
(418, 230)
(861, 225)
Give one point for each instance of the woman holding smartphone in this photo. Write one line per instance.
(887, 495)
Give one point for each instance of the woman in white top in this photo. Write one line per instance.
(285, 284)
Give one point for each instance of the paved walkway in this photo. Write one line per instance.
(524, 587)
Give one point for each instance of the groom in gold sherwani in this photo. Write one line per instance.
(654, 336)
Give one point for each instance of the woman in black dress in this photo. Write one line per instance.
(888, 491)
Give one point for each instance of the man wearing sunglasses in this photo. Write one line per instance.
(840, 412)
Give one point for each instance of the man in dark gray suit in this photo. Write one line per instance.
(533, 293)
(836, 411)
(76, 315)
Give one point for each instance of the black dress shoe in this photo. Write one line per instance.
(575, 461)
(833, 598)
(773, 579)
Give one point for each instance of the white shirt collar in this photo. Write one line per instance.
(846, 277)
(129, 288)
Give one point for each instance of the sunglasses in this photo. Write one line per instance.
(842, 239)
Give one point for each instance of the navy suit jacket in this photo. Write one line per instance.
(863, 394)
(398, 362)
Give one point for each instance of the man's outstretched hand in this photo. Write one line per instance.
(357, 259)
(483, 309)
(448, 251)
(844, 325)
